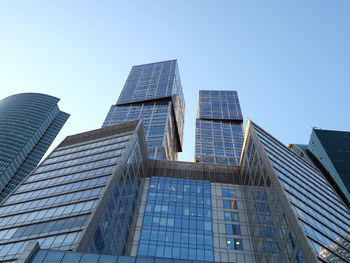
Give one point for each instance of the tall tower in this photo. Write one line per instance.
(219, 128)
(29, 122)
(153, 92)
(81, 197)
(332, 150)
(295, 212)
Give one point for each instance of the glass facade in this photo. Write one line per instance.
(301, 151)
(52, 256)
(231, 232)
(186, 214)
(116, 227)
(153, 92)
(99, 198)
(275, 207)
(218, 142)
(219, 128)
(321, 216)
(219, 105)
(29, 122)
(57, 203)
(332, 151)
(177, 221)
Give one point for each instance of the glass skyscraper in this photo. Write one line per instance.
(296, 214)
(81, 197)
(153, 93)
(275, 207)
(332, 151)
(98, 197)
(29, 122)
(219, 128)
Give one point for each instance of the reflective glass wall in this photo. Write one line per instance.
(153, 92)
(59, 204)
(177, 221)
(219, 130)
(321, 213)
(315, 219)
(332, 151)
(231, 232)
(29, 122)
(274, 237)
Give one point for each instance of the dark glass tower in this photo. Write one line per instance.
(29, 123)
(219, 128)
(332, 151)
(153, 92)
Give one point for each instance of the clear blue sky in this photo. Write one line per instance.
(288, 60)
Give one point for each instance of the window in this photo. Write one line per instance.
(234, 244)
(231, 216)
(232, 204)
(233, 229)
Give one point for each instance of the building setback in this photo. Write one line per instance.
(219, 128)
(153, 92)
(29, 122)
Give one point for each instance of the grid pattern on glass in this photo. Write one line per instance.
(10, 252)
(321, 213)
(54, 206)
(218, 142)
(53, 256)
(154, 115)
(151, 81)
(116, 223)
(272, 234)
(232, 238)
(29, 122)
(177, 221)
(153, 93)
(219, 105)
(159, 125)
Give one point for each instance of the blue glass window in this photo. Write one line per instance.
(233, 229)
(70, 257)
(177, 217)
(231, 216)
(234, 244)
(232, 204)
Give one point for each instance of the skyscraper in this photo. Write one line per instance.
(332, 151)
(153, 92)
(275, 208)
(219, 128)
(82, 197)
(99, 192)
(294, 210)
(29, 122)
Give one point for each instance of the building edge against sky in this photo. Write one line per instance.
(29, 122)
